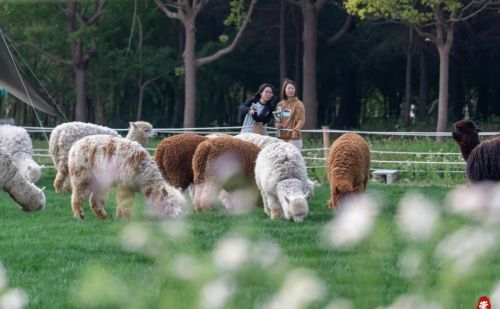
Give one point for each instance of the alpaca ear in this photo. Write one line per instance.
(307, 194)
(42, 189)
(133, 125)
(164, 192)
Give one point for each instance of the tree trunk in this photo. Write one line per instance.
(190, 67)
(309, 39)
(444, 64)
(139, 104)
(349, 104)
(423, 86)
(81, 108)
(407, 104)
(282, 34)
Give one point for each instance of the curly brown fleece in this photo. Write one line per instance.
(174, 156)
(348, 167)
(206, 163)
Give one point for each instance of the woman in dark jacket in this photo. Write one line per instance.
(258, 111)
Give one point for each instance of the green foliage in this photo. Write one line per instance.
(237, 15)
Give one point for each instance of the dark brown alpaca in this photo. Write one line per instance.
(483, 159)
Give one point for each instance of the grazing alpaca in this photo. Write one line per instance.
(215, 161)
(174, 156)
(98, 161)
(65, 135)
(17, 143)
(24, 193)
(348, 167)
(258, 139)
(281, 175)
(483, 159)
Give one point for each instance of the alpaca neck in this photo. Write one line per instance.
(137, 137)
(467, 146)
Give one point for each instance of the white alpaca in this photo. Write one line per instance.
(65, 135)
(17, 143)
(281, 175)
(26, 194)
(258, 139)
(98, 161)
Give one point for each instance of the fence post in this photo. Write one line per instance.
(326, 141)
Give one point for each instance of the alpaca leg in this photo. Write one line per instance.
(208, 195)
(67, 184)
(274, 207)
(61, 176)
(78, 197)
(264, 201)
(124, 201)
(197, 193)
(97, 200)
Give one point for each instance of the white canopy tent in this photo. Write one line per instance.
(11, 80)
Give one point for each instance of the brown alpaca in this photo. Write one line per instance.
(483, 159)
(215, 161)
(174, 156)
(348, 167)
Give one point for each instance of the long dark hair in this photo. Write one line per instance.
(283, 87)
(261, 88)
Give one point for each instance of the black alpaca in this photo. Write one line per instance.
(483, 159)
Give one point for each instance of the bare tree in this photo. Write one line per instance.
(186, 12)
(310, 10)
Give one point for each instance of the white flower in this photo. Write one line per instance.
(417, 216)
(134, 237)
(413, 302)
(464, 247)
(301, 287)
(186, 267)
(3, 278)
(340, 303)
(495, 293)
(231, 253)
(410, 262)
(353, 223)
(266, 253)
(216, 293)
(175, 229)
(468, 201)
(239, 201)
(14, 299)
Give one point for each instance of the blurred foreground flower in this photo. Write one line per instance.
(417, 216)
(231, 252)
(3, 278)
(479, 202)
(353, 222)
(14, 299)
(134, 237)
(410, 262)
(215, 294)
(340, 303)
(301, 287)
(465, 247)
(266, 253)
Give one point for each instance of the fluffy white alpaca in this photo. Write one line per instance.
(65, 135)
(17, 143)
(26, 194)
(281, 175)
(258, 139)
(98, 161)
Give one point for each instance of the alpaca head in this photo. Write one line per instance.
(340, 190)
(297, 207)
(465, 131)
(28, 168)
(30, 198)
(141, 132)
(165, 201)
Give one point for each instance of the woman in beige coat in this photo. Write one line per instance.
(291, 113)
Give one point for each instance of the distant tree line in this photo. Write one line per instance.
(192, 62)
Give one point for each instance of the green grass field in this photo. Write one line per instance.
(63, 263)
